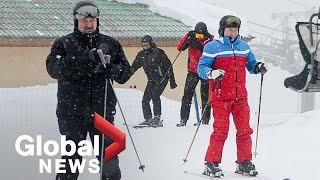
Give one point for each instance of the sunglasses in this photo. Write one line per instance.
(87, 11)
(199, 36)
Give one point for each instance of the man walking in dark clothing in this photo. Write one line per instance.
(75, 63)
(194, 41)
(158, 69)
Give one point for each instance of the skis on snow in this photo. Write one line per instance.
(138, 126)
(226, 175)
(201, 175)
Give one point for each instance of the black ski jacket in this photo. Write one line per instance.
(155, 63)
(80, 90)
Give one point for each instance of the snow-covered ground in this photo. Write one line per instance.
(286, 148)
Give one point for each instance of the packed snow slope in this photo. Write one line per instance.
(286, 146)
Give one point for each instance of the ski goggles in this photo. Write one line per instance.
(233, 21)
(87, 11)
(199, 36)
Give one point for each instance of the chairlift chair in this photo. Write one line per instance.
(308, 80)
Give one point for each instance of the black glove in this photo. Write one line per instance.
(193, 41)
(261, 68)
(132, 71)
(191, 33)
(113, 71)
(192, 36)
(173, 84)
(88, 62)
(93, 55)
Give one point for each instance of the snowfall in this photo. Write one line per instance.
(287, 144)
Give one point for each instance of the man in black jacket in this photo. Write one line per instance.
(158, 69)
(75, 63)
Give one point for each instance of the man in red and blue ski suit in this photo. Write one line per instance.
(229, 57)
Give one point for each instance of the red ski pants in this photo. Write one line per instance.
(241, 115)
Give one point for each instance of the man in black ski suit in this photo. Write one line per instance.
(75, 63)
(158, 69)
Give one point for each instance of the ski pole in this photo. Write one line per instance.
(125, 122)
(195, 133)
(165, 74)
(102, 137)
(257, 134)
(196, 106)
(105, 61)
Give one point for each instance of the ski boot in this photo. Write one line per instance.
(213, 170)
(196, 124)
(156, 122)
(183, 122)
(246, 168)
(146, 122)
(204, 122)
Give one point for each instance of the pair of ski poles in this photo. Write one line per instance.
(185, 159)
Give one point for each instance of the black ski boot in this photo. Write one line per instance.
(156, 122)
(246, 168)
(205, 121)
(213, 170)
(183, 122)
(202, 122)
(196, 124)
(146, 122)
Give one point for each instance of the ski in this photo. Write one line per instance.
(196, 124)
(142, 126)
(137, 126)
(201, 175)
(227, 176)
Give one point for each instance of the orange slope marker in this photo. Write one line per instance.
(113, 133)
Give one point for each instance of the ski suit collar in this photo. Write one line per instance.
(91, 40)
(226, 40)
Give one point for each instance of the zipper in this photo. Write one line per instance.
(160, 72)
(219, 90)
(236, 69)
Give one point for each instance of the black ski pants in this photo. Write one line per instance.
(76, 128)
(153, 92)
(189, 88)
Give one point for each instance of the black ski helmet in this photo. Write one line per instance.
(84, 9)
(201, 28)
(147, 38)
(228, 21)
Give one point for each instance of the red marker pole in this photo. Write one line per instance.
(113, 133)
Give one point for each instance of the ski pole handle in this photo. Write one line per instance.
(104, 59)
(101, 57)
